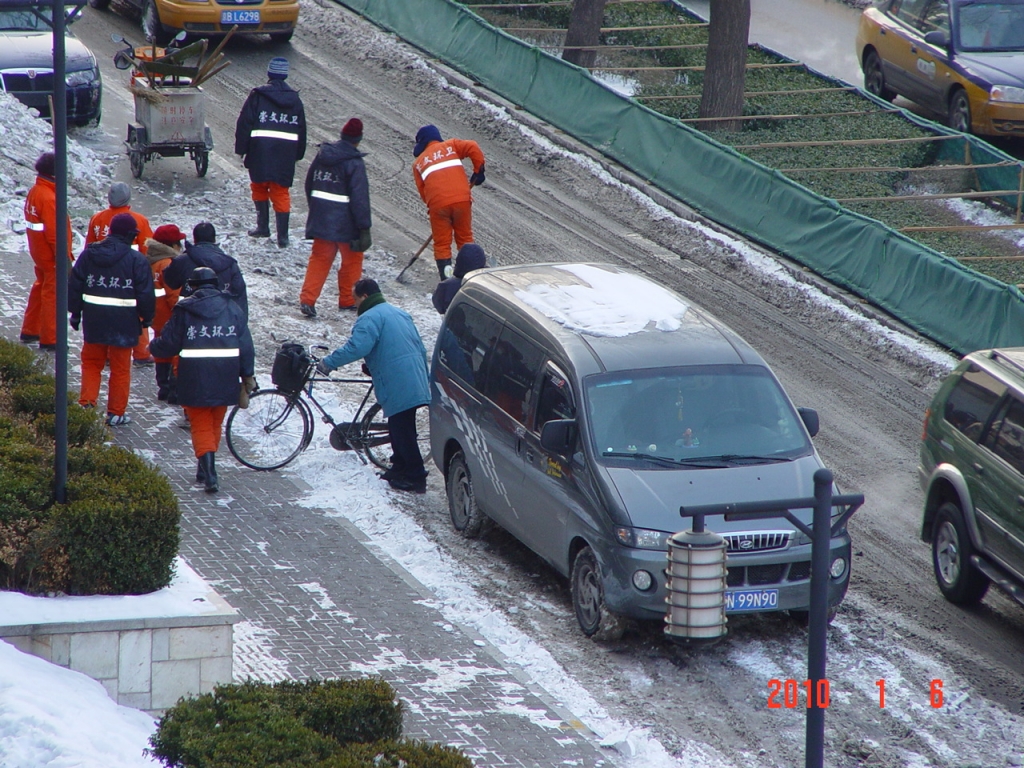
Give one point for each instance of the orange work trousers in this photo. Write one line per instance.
(206, 422)
(320, 262)
(278, 196)
(455, 219)
(141, 350)
(41, 312)
(94, 357)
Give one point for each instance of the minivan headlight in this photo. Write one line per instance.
(1006, 93)
(81, 77)
(642, 538)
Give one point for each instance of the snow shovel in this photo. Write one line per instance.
(413, 260)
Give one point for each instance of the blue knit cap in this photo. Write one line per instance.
(424, 136)
(278, 69)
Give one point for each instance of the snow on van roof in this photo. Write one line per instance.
(606, 303)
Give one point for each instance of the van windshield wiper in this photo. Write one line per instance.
(645, 456)
(739, 458)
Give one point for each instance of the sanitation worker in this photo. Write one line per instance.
(208, 333)
(441, 181)
(110, 296)
(203, 251)
(387, 338)
(338, 195)
(270, 135)
(40, 321)
(161, 249)
(471, 257)
(119, 196)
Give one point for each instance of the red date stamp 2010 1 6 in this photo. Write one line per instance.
(789, 693)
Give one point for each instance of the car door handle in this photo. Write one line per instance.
(1020, 501)
(529, 455)
(913, 49)
(978, 468)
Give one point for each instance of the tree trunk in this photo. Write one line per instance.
(725, 72)
(584, 29)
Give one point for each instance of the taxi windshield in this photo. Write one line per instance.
(716, 415)
(990, 25)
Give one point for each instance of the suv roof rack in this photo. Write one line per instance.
(1013, 356)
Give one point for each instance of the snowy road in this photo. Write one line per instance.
(547, 200)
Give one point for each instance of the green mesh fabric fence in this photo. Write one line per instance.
(939, 297)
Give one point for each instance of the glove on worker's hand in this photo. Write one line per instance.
(366, 370)
(249, 384)
(75, 321)
(322, 369)
(243, 396)
(477, 178)
(362, 243)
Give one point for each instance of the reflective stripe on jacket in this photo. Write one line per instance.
(439, 174)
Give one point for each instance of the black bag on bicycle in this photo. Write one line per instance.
(291, 364)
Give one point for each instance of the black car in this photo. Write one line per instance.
(26, 66)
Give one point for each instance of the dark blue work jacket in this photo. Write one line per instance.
(111, 289)
(271, 133)
(209, 334)
(338, 193)
(177, 273)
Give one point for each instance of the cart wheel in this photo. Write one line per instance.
(138, 161)
(202, 161)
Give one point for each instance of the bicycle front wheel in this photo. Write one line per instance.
(375, 439)
(272, 431)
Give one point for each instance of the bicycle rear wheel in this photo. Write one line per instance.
(375, 439)
(272, 431)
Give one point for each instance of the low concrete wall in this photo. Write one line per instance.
(147, 663)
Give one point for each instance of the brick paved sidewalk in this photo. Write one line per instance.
(330, 605)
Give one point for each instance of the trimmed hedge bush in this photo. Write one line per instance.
(118, 531)
(317, 723)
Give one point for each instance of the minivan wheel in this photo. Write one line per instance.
(467, 518)
(594, 618)
(961, 583)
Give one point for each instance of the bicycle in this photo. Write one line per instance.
(279, 423)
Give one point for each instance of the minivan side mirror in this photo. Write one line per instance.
(810, 419)
(938, 39)
(558, 436)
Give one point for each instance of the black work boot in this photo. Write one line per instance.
(210, 469)
(282, 229)
(443, 268)
(163, 372)
(200, 471)
(172, 388)
(262, 219)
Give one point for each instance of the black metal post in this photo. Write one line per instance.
(814, 753)
(60, 151)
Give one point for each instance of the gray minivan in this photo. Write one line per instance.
(579, 406)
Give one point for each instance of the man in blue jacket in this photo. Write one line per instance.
(204, 252)
(110, 294)
(271, 137)
(208, 333)
(339, 217)
(387, 338)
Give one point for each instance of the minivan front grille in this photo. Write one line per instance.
(757, 541)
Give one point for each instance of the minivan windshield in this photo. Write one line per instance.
(699, 416)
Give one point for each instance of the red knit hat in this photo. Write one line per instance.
(353, 129)
(168, 234)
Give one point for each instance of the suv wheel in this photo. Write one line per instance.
(595, 619)
(959, 580)
(467, 518)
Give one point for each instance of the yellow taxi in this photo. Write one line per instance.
(961, 58)
(162, 19)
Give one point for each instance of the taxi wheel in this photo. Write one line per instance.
(874, 77)
(99, 5)
(152, 27)
(282, 37)
(959, 117)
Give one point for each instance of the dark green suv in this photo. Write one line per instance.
(972, 473)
